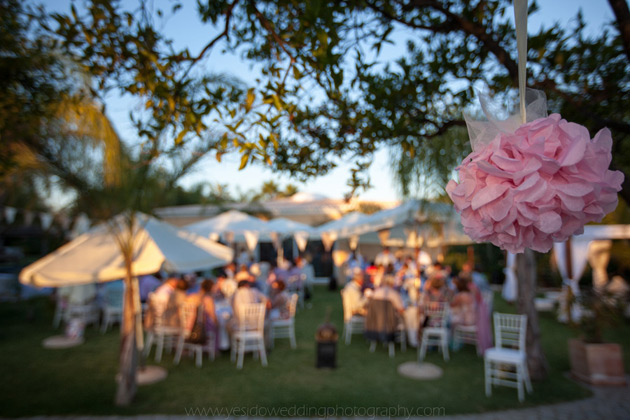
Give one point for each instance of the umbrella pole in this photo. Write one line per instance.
(128, 344)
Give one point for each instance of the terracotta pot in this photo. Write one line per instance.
(597, 363)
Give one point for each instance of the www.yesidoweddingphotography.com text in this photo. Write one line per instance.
(320, 412)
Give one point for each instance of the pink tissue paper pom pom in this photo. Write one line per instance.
(537, 186)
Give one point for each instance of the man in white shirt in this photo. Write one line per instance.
(385, 258)
(245, 295)
(423, 259)
(353, 295)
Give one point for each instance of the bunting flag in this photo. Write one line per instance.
(228, 237)
(46, 219)
(9, 214)
(383, 235)
(251, 239)
(301, 239)
(275, 240)
(354, 242)
(328, 239)
(411, 236)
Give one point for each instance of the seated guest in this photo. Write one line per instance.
(230, 270)
(147, 284)
(243, 257)
(308, 272)
(355, 260)
(435, 289)
(244, 295)
(378, 273)
(204, 297)
(243, 274)
(224, 287)
(166, 302)
(385, 258)
(387, 292)
(279, 301)
(463, 304)
(354, 295)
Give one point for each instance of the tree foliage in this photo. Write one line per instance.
(329, 50)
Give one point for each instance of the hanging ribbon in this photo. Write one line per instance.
(520, 22)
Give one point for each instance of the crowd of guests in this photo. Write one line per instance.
(413, 282)
(226, 291)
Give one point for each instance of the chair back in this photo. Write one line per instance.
(252, 317)
(510, 331)
(488, 298)
(347, 307)
(157, 307)
(188, 315)
(437, 313)
(114, 298)
(381, 318)
(293, 305)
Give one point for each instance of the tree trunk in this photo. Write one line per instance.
(526, 274)
(128, 345)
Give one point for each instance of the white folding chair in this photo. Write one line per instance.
(436, 332)
(285, 328)
(61, 307)
(87, 313)
(509, 351)
(160, 333)
(400, 331)
(352, 323)
(188, 315)
(249, 334)
(113, 309)
(465, 334)
(296, 284)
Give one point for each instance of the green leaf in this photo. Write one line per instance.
(276, 102)
(180, 137)
(250, 99)
(244, 160)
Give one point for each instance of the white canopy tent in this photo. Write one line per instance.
(95, 256)
(285, 227)
(414, 223)
(593, 246)
(232, 226)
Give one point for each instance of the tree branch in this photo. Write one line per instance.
(224, 34)
(622, 15)
(457, 22)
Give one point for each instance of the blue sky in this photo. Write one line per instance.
(186, 30)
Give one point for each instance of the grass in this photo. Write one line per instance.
(78, 381)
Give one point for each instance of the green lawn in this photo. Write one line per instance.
(38, 381)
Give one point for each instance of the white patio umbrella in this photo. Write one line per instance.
(95, 256)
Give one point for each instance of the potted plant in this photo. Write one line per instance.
(592, 360)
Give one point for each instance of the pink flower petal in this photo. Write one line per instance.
(488, 194)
